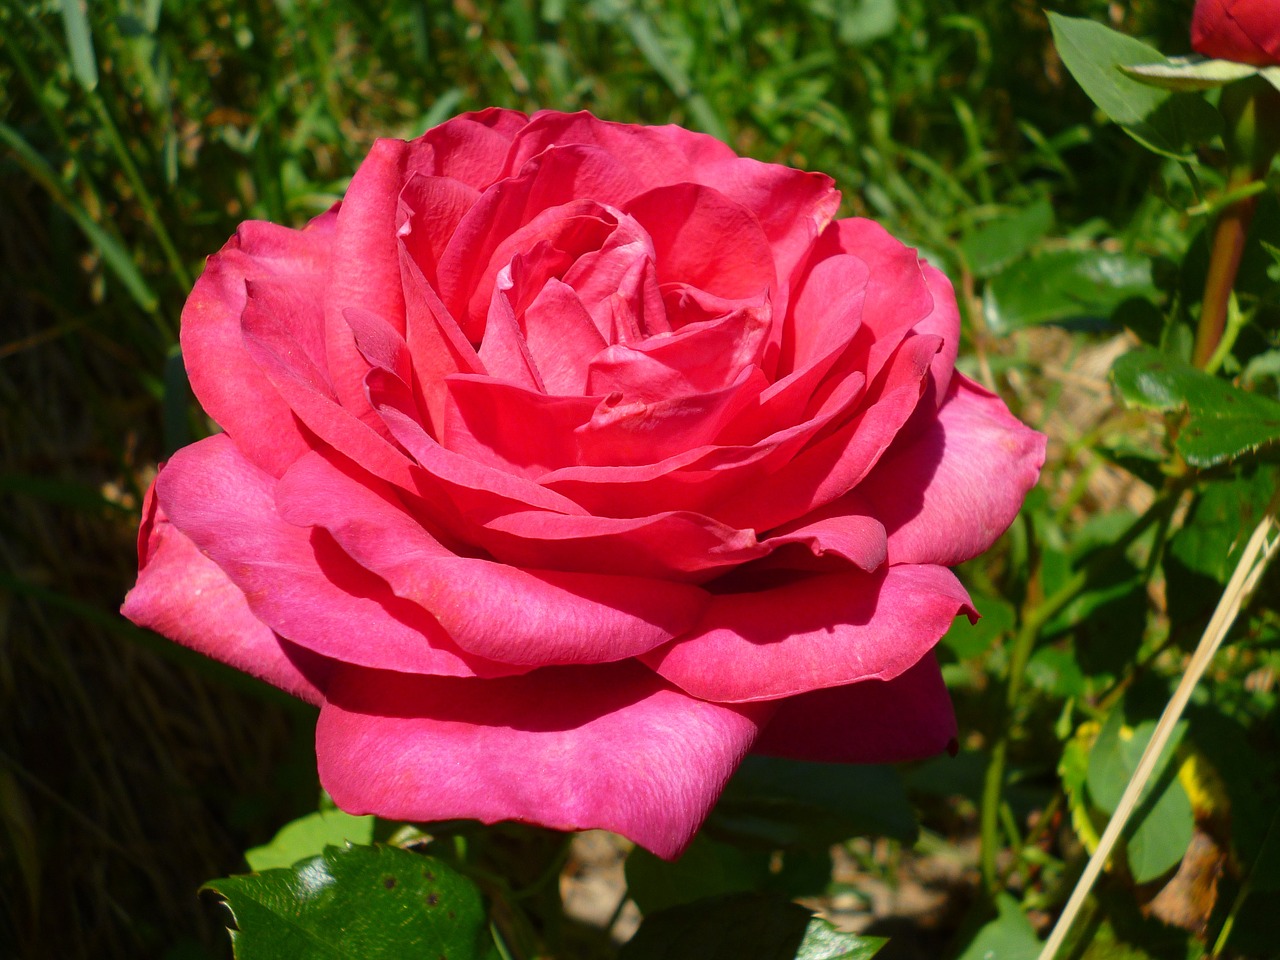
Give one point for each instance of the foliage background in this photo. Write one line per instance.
(132, 771)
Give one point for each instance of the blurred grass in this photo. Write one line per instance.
(136, 135)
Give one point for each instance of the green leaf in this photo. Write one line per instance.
(1056, 670)
(1223, 422)
(822, 941)
(363, 903)
(1184, 74)
(1162, 824)
(861, 21)
(75, 22)
(706, 869)
(1009, 936)
(308, 836)
(1066, 285)
(1201, 555)
(993, 246)
(1164, 123)
(787, 803)
(967, 640)
(1107, 622)
(740, 926)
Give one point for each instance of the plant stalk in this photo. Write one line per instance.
(1247, 573)
(1224, 263)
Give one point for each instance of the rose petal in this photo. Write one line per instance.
(430, 210)
(628, 432)
(568, 748)
(652, 156)
(562, 338)
(471, 148)
(820, 631)
(437, 345)
(512, 428)
(947, 495)
(309, 394)
(225, 380)
(498, 612)
(185, 596)
(301, 585)
(447, 478)
(515, 213)
(503, 349)
(835, 464)
(671, 546)
(688, 225)
(874, 721)
(943, 322)
(857, 538)
(1243, 30)
(365, 268)
(898, 295)
(705, 479)
(622, 269)
(700, 357)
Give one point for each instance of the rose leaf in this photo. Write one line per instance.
(367, 902)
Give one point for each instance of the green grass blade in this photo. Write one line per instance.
(113, 252)
(80, 43)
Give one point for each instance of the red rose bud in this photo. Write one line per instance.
(1247, 31)
(565, 462)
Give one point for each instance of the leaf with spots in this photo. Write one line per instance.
(366, 902)
(1222, 422)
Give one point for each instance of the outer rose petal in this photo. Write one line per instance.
(875, 721)
(185, 596)
(652, 155)
(946, 495)
(819, 631)
(302, 585)
(228, 384)
(571, 748)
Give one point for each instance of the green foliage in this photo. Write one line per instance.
(359, 902)
(1161, 829)
(1009, 936)
(1222, 422)
(135, 136)
(1169, 124)
(1064, 285)
(787, 803)
(307, 837)
(744, 925)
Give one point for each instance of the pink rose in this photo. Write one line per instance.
(565, 463)
(1247, 31)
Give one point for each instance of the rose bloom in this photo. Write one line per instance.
(565, 462)
(1247, 31)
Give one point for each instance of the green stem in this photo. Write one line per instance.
(1246, 888)
(140, 191)
(993, 782)
(1033, 622)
